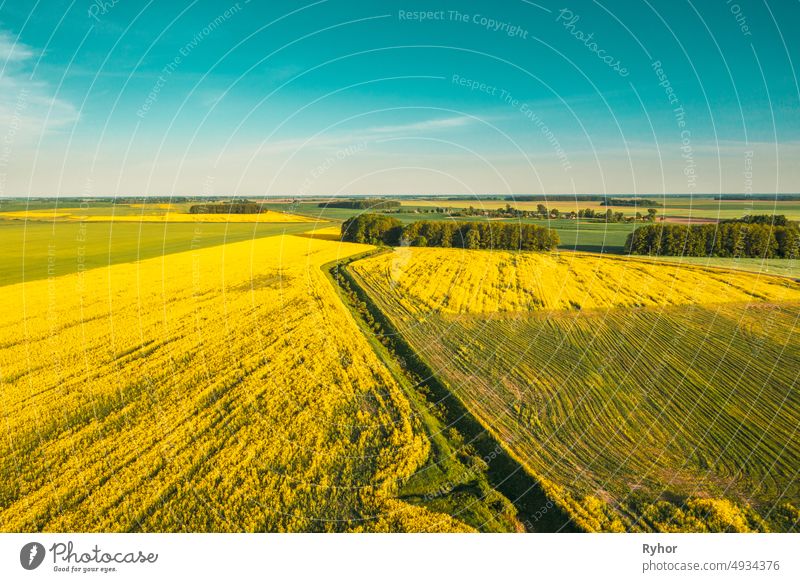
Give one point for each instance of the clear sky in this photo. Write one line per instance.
(289, 98)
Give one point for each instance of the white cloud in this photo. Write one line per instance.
(28, 108)
(335, 141)
(422, 126)
(12, 51)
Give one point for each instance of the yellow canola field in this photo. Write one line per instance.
(223, 389)
(459, 281)
(160, 206)
(75, 215)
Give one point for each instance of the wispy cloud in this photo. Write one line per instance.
(335, 141)
(28, 108)
(423, 126)
(12, 51)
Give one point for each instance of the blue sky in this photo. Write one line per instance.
(291, 98)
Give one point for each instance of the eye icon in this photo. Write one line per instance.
(31, 555)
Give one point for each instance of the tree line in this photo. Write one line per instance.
(629, 202)
(543, 212)
(557, 198)
(773, 219)
(361, 204)
(378, 229)
(226, 208)
(728, 239)
(762, 197)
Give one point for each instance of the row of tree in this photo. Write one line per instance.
(773, 219)
(151, 199)
(611, 216)
(379, 229)
(640, 202)
(362, 204)
(226, 208)
(763, 197)
(730, 239)
(543, 212)
(556, 198)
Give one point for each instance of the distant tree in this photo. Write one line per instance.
(651, 214)
(472, 240)
(480, 235)
(361, 204)
(226, 208)
(629, 202)
(773, 219)
(729, 239)
(373, 229)
(788, 243)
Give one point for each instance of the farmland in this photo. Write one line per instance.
(587, 235)
(642, 395)
(77, 215)
(673, 206)
(164, 371)
(223, 388)
(37, 249)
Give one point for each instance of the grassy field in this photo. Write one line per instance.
(221, 389)
(642, 396)
(578, 235)
(677, 206)
(37, 249)
(313, 210)
(595, 237)
(581, 235)
(162, 213)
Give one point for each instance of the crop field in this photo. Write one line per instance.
(677, 206)
(431, 280)
(593, 236)
(164, 371)
(39, 249)
(224, 388)
(782, 267)
(641, 395)
(75, 214)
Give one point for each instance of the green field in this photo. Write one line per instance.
(672, 417)
(313, 210)
(698, 207)
(579, 235)
(576, 235)
(38, 249)
(595, 237)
